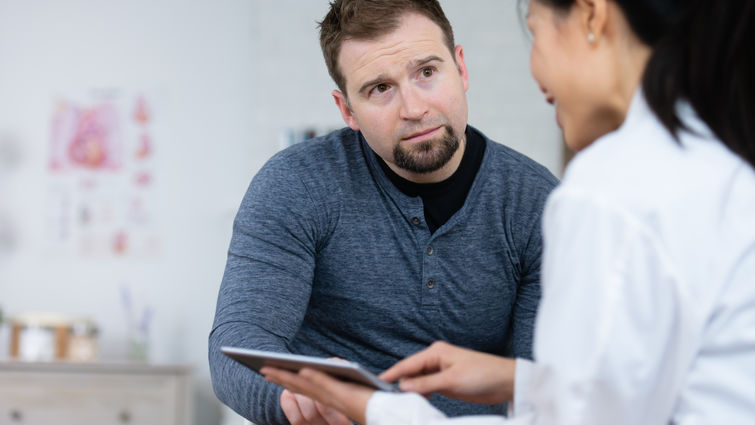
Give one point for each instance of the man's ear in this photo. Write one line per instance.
(459, 56)
(346, 113)
(594, 17)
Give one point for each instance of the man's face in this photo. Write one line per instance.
(406, 93)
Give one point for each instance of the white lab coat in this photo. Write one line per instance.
(648, 308)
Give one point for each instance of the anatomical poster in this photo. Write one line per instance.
(101, 176)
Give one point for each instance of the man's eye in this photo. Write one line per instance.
(379, 89)
(427, 72)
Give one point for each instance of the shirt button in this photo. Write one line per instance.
(430, 284)
(416, 221)
(430, 250)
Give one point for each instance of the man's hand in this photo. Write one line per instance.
(317, 395)
(301, 410)
(457, 373)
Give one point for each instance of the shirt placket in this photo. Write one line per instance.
(430, 280)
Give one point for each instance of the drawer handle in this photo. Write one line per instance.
(16, 415)
(124, 416)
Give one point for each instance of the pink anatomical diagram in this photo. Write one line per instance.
(85, 138)
(89, 144)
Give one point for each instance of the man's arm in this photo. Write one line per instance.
(524, 312)
(534, 185)
(266, 286)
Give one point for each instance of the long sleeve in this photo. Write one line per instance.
(265, 289)
(528, 292)
(527, 237)
(615, 335)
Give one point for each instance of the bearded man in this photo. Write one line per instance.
(406, 227)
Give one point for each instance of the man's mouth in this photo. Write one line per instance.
(422, 135)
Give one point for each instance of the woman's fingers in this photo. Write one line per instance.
(426, 361)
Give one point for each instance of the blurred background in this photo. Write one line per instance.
(129, 131)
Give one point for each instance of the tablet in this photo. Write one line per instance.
(345, 371)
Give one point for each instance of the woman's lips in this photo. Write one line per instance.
(548, 98)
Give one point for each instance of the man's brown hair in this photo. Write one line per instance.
(369, 20)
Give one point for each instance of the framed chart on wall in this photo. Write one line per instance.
(101, 173)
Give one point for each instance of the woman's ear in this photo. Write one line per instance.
(593, 17)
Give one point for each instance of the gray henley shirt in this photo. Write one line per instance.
(328, 258)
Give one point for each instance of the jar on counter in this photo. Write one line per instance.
(82, 346)
(39, 337)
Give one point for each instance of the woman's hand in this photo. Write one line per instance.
(349, 399)
(457, 373)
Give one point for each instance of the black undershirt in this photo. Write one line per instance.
(441, 200)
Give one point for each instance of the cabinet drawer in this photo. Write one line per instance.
(81, 399)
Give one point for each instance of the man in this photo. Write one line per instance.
(407, 227)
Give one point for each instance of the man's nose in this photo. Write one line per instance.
(413, 104)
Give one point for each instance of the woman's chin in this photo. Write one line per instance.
(575, 142)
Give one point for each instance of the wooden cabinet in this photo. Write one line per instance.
(94, 394)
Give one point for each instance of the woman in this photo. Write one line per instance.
(648, 309)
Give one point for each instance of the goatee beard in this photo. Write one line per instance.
(429, 155)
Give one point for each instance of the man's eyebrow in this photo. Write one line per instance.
(419, 62)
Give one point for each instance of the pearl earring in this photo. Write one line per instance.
(591, 38)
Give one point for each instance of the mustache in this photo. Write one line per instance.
(420, 128)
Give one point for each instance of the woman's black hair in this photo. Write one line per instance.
(703, 52)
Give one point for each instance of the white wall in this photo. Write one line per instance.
(224, 78)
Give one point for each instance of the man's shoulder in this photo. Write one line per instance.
(321, 158)
(511, 164)
(334, 147)
(326, 166)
